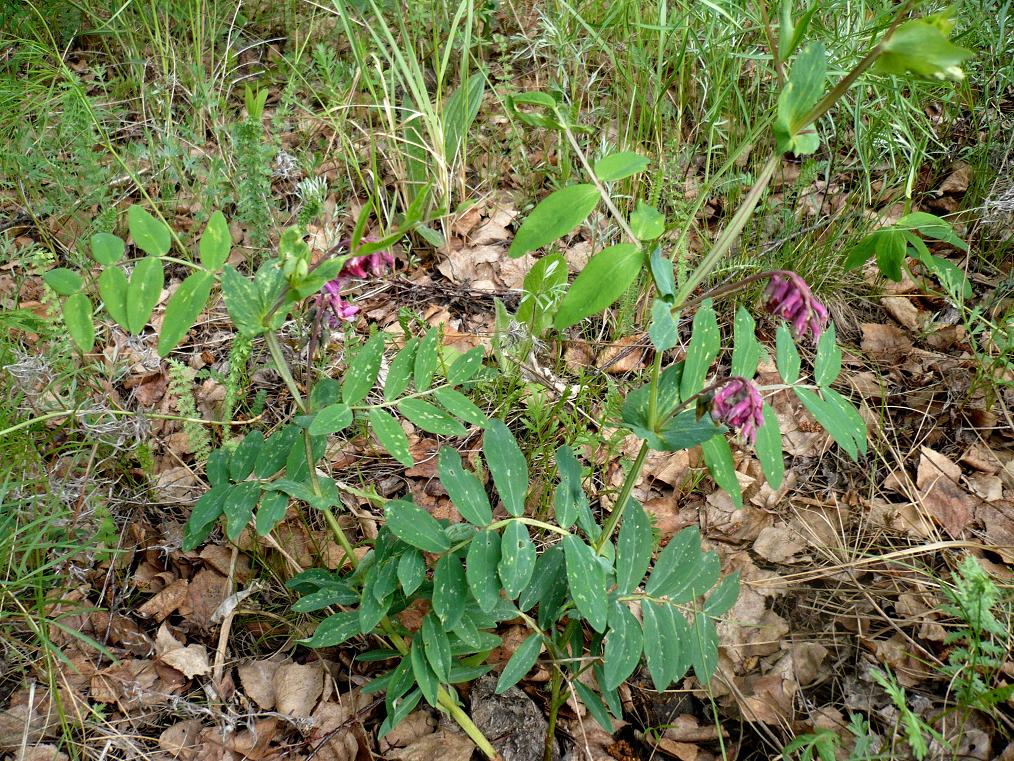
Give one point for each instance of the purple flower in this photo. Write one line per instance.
(790, 297)
(738, 404)
(356, 267)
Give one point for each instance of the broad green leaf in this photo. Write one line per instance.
(544, 286)
(274, 451)
(799, 95)
(216, 242)
(693, 582)
(921, 46)
(331, 419)
(145, 288)
(424, 676)
(832, 419)
(520, 663)
(646, 222)
(334, 630)
(703, 648)
(391, 436)
(622, 651)
(271, 511)
(786, 355)
(570, 496)
(890, 249)
(686, 430)
(411, 570)
(243, 459)
(362, 370)
(705, 341)
(113, 288)
(587, 582)
(605, 278)
(827, 363)
(662, 651)
(450, 590)
(662, 331)
(548, 586)
(746, 349)
(149, 234)
(205, 512)
(932, 226)
(507, 465)
(430, 418)
(718, 458)
(465, 366)
(461, 406)
(438, 647)
(325, 392)
(77, 317)
(242, 300)
(399, 374)
(333, 593)
(107, 249)
(861, 252)
(426, 359)
(372, 608)
(517, 559)
(555, 216)
(676, 561)
(238, 507)
(64, 281)
(721, 600)
(634, 547)
(481, 569)
(464, 489)
(217, 467)
(182, 309)
(415, 526)
(768, 446)
(849, 414)
(617, 166)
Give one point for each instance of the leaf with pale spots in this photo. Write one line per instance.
(587, 582)
(390, 435)
(430, 418)
(507, 465)
(517, 558)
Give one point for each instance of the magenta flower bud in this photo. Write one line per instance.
(739, 405)
(789, 297)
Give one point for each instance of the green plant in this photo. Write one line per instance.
(981, 642)
(911, 724)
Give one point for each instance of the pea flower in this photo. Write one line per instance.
(790, 297)
(738, 404)
(358, 268)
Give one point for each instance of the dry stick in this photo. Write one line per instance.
(223, 633)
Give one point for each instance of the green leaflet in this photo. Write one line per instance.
(182, 309)
(463, 488)
(587, 582)
(390, 435)
(507, 466)
(603, 280)
(415, 526)
(450, 590)
(481, 569)
(718, 458)
(555, 216)
(517, 558)
(520, 663)
(362, 371)
(634, 547)
(622, 650)
(143, 293)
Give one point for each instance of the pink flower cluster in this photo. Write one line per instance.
(358, 268)
(790, 297)
(738, 404)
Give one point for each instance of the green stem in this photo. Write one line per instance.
(554, 708)
(621, 502)
(278, 357)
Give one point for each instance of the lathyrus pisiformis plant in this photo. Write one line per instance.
(587, 583)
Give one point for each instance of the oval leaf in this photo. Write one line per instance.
(587, 582)
(555, 216)
(182, 309)
(616, 166)
(464, 489)
(143, 293)
(77, 316)
(107, 249)
(481, 569)
(517, 559)
(520, 663)
(603, 280)
(622, 650)
(331, 419)
(389, 433)
(149, 234)
(415, 526)
(113, 288)
(64, 281)
(216, 242)
(507, 465)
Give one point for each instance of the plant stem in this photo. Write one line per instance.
(620, 220)
(621, 502)
(554, 708)
(282, 366)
